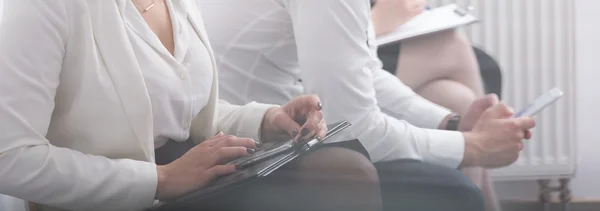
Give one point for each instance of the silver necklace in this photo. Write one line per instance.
(149, 7)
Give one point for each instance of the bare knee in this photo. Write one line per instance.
(457, 39)
(450, 94)
(451, 52)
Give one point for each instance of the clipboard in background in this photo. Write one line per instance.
(248, 174)
(430, 21)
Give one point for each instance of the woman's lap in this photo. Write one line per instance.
(308, 183)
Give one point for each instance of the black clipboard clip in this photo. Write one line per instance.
(462, 12)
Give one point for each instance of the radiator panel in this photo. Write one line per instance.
(533, 41)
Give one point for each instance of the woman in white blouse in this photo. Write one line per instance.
(90, 88)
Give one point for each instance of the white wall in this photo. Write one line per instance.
(586, 185)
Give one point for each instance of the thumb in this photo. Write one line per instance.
(498, 111)
(486, 101)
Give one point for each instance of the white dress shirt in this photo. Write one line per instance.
(8, 202)
(273, 50)
(76, 102)
(177, 85)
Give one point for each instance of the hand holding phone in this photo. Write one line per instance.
(493, 143)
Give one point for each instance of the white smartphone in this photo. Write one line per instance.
(540, 103)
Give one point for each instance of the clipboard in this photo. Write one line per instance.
(247, 175)
(430, 21)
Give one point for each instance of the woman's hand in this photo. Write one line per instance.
(201, 164)
(300, 119)
(388, 15)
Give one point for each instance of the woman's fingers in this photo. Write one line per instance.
(318, 132)
(233, 141)
(285, 121)
(220, 136)
(528, 134)
(322, 130)
(314, 126)
(219, 171)
(225, 154)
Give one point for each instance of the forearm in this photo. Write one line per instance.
(388, 139)
(388, 15)
(382, 23)
(400, 101)
(243, 121)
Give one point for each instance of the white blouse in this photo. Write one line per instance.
(7, 202)
(178, 84)
(77, 122)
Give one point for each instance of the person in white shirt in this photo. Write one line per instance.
(89, 89)
(273, 50)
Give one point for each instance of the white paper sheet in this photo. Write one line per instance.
(430, 21)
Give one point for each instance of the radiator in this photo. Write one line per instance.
(533, 40)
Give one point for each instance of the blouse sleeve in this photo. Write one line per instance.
(33, 36)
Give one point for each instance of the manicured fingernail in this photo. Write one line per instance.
(216, 134)
(258, 145)
(250, 150)
(295, 132)
(239, 167)
(319, 105)
(305, 131)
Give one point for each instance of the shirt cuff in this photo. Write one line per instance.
(146, 178)
(251, 122)
(446, 148)
(425, 114)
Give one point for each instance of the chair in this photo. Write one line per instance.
(491, 73)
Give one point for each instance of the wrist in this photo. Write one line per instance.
(266, 125)
(472, 152)
(161, 182)
(446, 121)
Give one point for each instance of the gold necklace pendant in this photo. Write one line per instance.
(149, 7)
